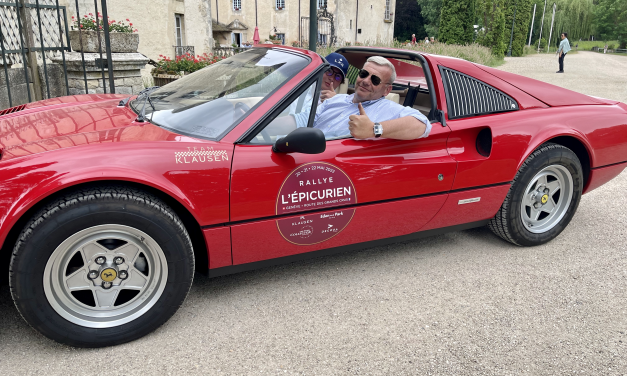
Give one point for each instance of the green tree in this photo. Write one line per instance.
(491, 14)
(408, 21)
(610, 20)
(523, 9)
(572, 16)
(456, 22)
(431, 11)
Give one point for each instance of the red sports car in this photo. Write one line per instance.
(109, 204)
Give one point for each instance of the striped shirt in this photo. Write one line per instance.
(332, 115)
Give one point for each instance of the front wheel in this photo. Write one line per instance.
(543, 198)
(101, 267)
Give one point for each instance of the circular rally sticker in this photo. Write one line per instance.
(314, 186)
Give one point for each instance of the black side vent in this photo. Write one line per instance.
(467, 96)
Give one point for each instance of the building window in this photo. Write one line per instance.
(351, 27)
(281, 36)
(387, 10)
(179, 26)
(237, 5)
(322, 4)
(280, 4)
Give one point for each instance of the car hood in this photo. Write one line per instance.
(71, 121)
(551, 95)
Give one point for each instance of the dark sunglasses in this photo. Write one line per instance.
(376, 80)
(338, 77)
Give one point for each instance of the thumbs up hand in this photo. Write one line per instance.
(360, 125)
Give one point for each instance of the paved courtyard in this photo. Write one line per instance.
(465, 303)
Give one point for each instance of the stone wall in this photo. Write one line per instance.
(155, 21)
(17, 84)
(126, 72)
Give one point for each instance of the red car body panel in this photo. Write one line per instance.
(401, 187)
(550, 94)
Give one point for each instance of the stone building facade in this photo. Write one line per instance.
(162, 24)
(353, 20)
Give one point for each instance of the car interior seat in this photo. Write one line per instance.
(393, 97)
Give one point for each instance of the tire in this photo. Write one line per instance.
(123, 299)
(543, 197)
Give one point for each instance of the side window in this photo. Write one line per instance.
(466, 96)
(296, 114)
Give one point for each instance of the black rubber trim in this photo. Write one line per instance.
(346, 248)
(350, 206)
(609, 165)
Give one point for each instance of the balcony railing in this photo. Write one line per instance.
(182, 50)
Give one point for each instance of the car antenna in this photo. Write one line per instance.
(146, 94)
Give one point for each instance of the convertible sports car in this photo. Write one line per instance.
(108, 204)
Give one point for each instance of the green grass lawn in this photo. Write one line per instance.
(587, 45)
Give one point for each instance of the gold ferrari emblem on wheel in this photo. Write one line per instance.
(545, 198)
(109, 275)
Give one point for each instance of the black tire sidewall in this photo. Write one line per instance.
(547, 156)
(33, 253)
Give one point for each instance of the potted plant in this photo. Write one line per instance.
(168, 70)
(123, 36)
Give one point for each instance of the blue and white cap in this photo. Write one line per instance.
(338, 61)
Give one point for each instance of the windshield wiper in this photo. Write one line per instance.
(146, 94)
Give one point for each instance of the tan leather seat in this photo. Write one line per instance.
(393, 97)
(343, 89)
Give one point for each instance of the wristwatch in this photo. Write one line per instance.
(378, 130)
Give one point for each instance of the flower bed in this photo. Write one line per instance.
(168, 70)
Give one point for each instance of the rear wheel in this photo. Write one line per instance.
(543, 198)
(101, 267)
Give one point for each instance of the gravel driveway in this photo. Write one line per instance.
(465, 303)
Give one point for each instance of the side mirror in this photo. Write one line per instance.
(301, 140)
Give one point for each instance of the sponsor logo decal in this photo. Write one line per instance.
(200, 155)
(320, 227)
(314, 186)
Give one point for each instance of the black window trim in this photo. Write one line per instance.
(489, 107)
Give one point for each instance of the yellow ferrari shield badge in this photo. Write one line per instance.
(109, 275)
(545, 198)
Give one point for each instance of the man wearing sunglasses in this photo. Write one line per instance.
(367, 113)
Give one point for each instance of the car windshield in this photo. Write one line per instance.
(209, 102)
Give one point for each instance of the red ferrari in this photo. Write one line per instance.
(109, 204)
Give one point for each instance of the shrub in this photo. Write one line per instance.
(89, 22)
(611, 46)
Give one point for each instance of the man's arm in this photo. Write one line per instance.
(403, 128)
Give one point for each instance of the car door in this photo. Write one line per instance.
(284, 204)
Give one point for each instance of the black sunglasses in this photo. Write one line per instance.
(331, 72)
(376, 80)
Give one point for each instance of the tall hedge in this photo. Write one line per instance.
(521, 26)
(491, 16)
(408, 21)
(456, 21)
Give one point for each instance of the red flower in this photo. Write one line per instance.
(130, 24)
(128, 20)
(85, 16)
(90, 14)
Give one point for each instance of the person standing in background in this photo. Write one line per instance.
(562, 51)
(426, 40)
(413, 39)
